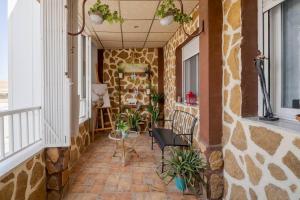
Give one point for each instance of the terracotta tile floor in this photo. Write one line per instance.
(99, 176)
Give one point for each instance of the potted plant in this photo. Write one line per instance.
(148, 90)
(133, 118)
(148, 72)
(120, 72)
(122, 127)
(154, 112)
(167, 12)
(100, 12)
(156, 98)
(185, 166)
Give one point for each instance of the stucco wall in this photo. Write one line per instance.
(27, 181)
(260, 161)
(170, 70)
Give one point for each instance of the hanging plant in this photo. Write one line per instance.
(100, 12)
(167, 12)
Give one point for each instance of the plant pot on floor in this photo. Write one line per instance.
(180, 184)
(167, 20)
(96, 18)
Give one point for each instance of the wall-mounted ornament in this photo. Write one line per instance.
(98, 13)
(134, 67)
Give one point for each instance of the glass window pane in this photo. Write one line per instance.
(291, 54)
(191, 75)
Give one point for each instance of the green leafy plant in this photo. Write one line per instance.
(186, 164)
(154, 112)
(156, 97)
(133, 118)
(167, 8)
(104, 11)
(122, 126)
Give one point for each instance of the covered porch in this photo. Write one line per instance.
(99, 82)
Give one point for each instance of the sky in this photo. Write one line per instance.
(3, 41)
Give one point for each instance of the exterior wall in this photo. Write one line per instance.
(61, 160)
(27, 181)
(79, 143)
(112, 58)
(170, 70)
(261, 161)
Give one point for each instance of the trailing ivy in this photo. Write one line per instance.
(167, 8)
(103, 10)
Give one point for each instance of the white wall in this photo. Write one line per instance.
(24, 54)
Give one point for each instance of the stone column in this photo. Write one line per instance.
(210, 84)
(214, 172)
(57, 165)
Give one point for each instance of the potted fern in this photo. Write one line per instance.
(186, 167)
(100, 12)
(167, 12)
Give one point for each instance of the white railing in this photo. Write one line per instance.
(19, 129)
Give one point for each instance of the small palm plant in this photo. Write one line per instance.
(186, 166)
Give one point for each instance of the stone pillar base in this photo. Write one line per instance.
(214, 172)
(57, 162)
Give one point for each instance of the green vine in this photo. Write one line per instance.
(104, 11)
(167, 7)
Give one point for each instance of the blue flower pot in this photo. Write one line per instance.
(180, 184)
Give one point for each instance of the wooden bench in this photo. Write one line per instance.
(179, 134)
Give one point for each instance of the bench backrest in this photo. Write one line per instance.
(183, 123)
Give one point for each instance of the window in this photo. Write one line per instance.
(190, 74)
(282, 46)
(84, 80)
(190, 68)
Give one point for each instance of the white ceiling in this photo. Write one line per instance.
(141, 28)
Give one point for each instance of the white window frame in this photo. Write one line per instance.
(270, 44)
(84, 103)
(188, 51)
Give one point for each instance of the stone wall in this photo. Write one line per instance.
(261, 161)
(113, 58)
(170, 69)
(80, 142)
(61, 160)
(27, 181)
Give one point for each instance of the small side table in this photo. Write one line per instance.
(120, 140)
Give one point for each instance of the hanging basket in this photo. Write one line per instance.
(96, 18)
(167, 20)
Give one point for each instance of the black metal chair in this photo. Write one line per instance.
(180, 134)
